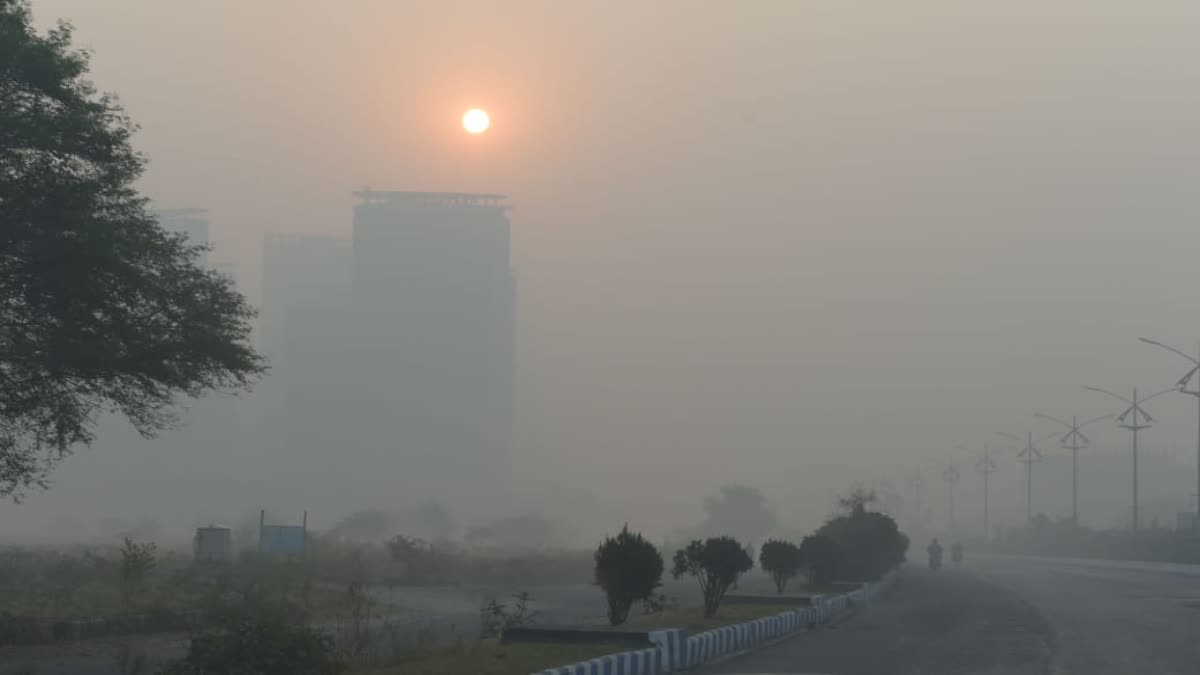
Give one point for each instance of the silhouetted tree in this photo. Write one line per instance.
(435, 520)
(137, 559)
(414, 553)
(628, 568)
(100, 308)
(716, 562)
(818, 555)
(366, 525)
(780, 559)
(866, 543)
(740, 510)
(857, 500)
(518, 532)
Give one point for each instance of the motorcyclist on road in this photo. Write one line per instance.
(956, 553)
(935, 554)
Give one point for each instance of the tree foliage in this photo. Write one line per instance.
(780, 559)
(819, 557)
(434, 520)
(101, 309)
(137, 559)
(259, 646)
(857, 500)
(739, 510)
(260, 627)
(529, 531)
(716, 562)
(628, 569)
(416, 554)
(867, 544)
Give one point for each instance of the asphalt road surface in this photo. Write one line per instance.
(1009, 616)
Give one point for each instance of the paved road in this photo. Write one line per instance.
(1009, 616)
(1111, 618)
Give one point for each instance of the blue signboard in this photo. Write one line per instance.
(288, 539)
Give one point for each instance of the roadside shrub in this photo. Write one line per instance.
(868, 543)
(781, 559)
(260, 648)
(496, 617)
(136, 562)
(259, 643)
(415, 554)
(818, 556)
(628, 569)
(716, 562)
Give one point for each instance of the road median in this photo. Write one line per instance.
(676, 649)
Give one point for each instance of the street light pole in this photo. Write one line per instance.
(917, 482)
(1135, 428)
(986, 467)
(1182, 388)
(1074, 471)
(951, 475)
(1074, 440)
(1028, 456)
(1134, 418)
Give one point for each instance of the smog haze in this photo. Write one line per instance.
(792, 245)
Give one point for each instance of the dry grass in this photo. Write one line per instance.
(489, 658)
(693, 619)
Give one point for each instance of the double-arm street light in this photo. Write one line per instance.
(1134, 418)
(986, 467)
(1074, 440)
(951, 476)
(1028, 456)
(1182, 385)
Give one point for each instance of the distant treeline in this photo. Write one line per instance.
(1043, 537)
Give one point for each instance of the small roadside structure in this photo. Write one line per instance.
(290, 540)
(213, 544)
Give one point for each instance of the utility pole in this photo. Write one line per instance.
(1028, 456)
(986, 467)
(1134, 418)
(917, 482)
(1194, 391)
(1074, 440)
(951, 476)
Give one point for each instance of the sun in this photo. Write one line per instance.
(476, 121)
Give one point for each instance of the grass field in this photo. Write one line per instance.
(83, 585)
(489, 658)
(693, 619)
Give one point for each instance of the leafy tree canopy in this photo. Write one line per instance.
(716, 562)
(628, 568)
(101, 309)
(781, 559)
(739, 510)
(867, 543)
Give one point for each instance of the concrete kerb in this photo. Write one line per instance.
(675, 650)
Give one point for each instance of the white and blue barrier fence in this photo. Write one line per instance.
(675, 650)
(667, 655)
(641, 662)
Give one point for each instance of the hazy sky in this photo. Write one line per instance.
(794, 244)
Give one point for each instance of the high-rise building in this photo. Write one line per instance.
(302, 274)
(392, 356)
(305, 331)
(434, 298)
